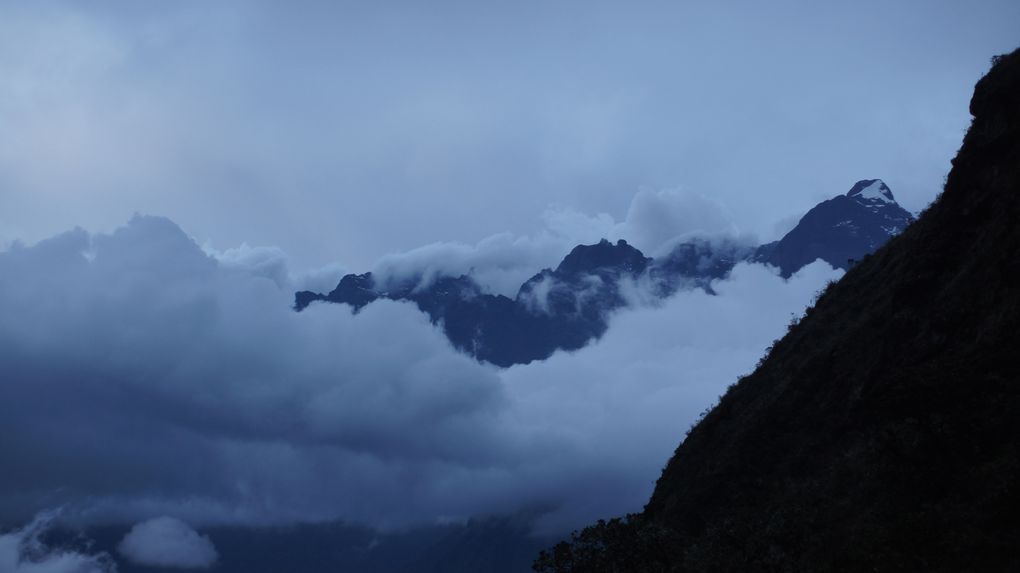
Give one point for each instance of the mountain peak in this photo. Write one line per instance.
(872, 192)
(604, 254)
(840, 230)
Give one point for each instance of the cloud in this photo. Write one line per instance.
(274, 264)
(267, 262)
(499, 263)
(112, 343)
(258, 410)
(167, 542)
(24, 551)
(655, 221)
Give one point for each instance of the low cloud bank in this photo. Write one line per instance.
(167, 542)
(144, 377)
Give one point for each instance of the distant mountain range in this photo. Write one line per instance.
(567, 307)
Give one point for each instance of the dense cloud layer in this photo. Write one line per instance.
(144, 377)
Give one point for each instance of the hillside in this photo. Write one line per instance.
(882, 432)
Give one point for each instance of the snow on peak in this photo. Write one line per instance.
(872, 191)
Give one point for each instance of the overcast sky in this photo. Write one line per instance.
(341, 132)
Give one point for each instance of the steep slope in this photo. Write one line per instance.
(882, 432)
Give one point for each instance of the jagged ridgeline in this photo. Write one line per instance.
(882, 432)
(567, 307)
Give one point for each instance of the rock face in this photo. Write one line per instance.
(882, 432)
(567, 307)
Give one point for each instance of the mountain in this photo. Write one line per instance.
(881, 433)
(840, 230)
(696, 263)
(567, 307)
(556, 309)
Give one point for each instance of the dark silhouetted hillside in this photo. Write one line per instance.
(882, 432)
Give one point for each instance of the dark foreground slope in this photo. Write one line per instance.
(880, 434)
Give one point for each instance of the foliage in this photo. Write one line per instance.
(620, 544)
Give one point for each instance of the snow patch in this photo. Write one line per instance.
(876, 192)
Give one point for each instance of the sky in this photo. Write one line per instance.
(341, 132)
(171, 173)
